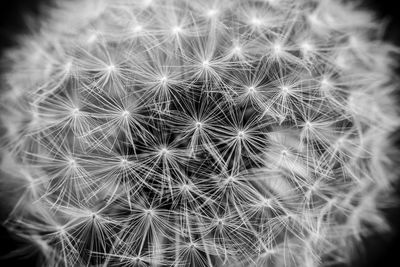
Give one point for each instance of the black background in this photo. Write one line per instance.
(378, 250)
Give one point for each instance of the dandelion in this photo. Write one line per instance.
(199, 133)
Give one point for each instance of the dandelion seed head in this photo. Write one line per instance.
(199, 133)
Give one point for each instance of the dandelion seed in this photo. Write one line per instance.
(212, 12)
(277, 48)
(138, 28)
(306, 48)
(256, 22)
(111, 68)
(176, 30)
(125, 114)
(75, 112)
(92, 38)
(241, 134)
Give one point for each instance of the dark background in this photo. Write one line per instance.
(379, 250)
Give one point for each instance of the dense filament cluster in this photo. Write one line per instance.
(198, 133)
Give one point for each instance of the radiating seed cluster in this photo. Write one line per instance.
(198, 133)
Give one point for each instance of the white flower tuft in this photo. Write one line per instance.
(199, 133)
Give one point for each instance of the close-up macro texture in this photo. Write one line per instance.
(199, 133)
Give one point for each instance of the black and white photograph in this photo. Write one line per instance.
(199, 133)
